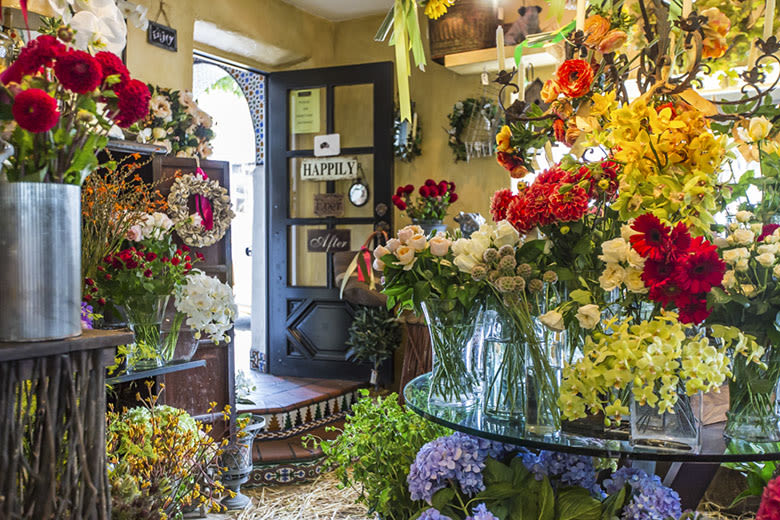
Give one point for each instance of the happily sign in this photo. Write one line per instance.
(328, 169)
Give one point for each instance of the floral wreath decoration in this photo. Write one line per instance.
(195, 230)
(459, 118)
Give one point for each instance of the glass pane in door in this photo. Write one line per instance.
(304, 269)
(353, 114)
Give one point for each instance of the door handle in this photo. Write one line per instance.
(248, 251)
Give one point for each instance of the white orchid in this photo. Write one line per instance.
(209, 306)
(135, 13)
(99, 24)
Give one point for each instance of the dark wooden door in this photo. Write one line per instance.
(307, 322)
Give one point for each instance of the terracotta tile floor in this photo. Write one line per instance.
(276, 394)
(292, 449)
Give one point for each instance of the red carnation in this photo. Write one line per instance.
(133, 102)
(186, 249)
(499, 204)
(89, 281)
(148, 273)
(199, 256)
(35, 110)
(112, 65)
(770, 501)
(131, 264)
(692, 307)
(652, 236)
(150, 256)
(574, 78)
(101, 301)
(453, 197)
(408, 189)
(396, 199)
(767, 230)
(108, 276)
(79, 71)
(401, 205)
(569, 206)
(187, 266)
(399, 191)
(701, 270)
(87, 298)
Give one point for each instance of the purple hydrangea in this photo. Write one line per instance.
(650, 500)
(86, 316)
(570, 470)
(481, 513)
(458, 457)
(432, 514)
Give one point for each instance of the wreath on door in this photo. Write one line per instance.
(212, 219)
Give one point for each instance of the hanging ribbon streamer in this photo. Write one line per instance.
(203, 205)
(553, 37)
(365, 271)
(406, 36)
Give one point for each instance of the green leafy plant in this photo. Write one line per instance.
(758, 474)
(377, 446)
(373, 336)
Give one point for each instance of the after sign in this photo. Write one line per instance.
(327, 240)
(162, 36)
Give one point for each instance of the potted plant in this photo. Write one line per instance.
(373, 336)
(58, 104)
(430, 207)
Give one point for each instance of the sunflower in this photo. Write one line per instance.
(436, 8)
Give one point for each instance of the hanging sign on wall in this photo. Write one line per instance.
(329, 168)
(305, 111)
(328, 204)
(162, 36)
(328, 240)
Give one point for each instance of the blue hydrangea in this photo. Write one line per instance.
(569, 470)
(650, 500)
(481, 513)
(458, 457)
(432, 514)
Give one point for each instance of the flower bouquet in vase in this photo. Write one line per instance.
(420, 275)
(430, 207)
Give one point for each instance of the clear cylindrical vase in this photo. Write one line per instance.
(144, 317)
(679, 429)
(753, 414)
(451, 326)
(504, 367)
(544, 363)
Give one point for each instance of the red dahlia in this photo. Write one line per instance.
(425, 191)
(652, 237)
(553, 175)
(35, 110)
(443, 187)
(499, 204)
(569, 206)
(516, 215)
(702, 269)
(770, 501)
(692, 308)
(574, 78)
(112, 65)
(133, 102)
(537, 210)
(79, 71)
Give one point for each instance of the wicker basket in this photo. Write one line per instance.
(468, 25)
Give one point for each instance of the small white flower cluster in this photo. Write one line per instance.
(151, 226)
(741, 246)
(208, 305)
(410, 241)
(623, 264)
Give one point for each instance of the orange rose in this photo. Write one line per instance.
(614, 40)
(596, 27)
(550, 91)
(503, 139)
(559, 130)
(513, 164)
(714, 44)
(574, 78)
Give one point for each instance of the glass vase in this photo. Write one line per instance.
(451, 327)
(544, 364)
(753, 409)
(144, 317)
(678, 430)
(504, 367)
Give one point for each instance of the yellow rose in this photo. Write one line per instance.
(759, 128)
(503, 139)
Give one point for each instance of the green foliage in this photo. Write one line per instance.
(373, 336)
(758, 474)
(226, 84)
(374, 451)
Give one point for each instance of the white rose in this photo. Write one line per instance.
(418, 242)
(381, 251)
(553, 320)
(417, 230)
(732, 256)
(612, 277)
(776, 271)
(634, 282)
(730, 280)
(743, 236)
(479, 242)
(742, 265)
(465, 263)
(733, 226)
(460, 246)
(134, 234)
(635, 260)
(406, 258)
(744, 216)
(720, 242)
(771, 239)
(766, 259)
(440, 246)
(393, 244)
(379, 265)
(756, 228)
(505, 234)
(405, 234)
(748, 289)
(159, 132)
(614, 251)
(626, 232)
(589, 315)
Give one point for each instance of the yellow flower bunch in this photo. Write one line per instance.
(436, 8)
(670, 161)
(655, 359)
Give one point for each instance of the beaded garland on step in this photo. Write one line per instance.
(192, 231)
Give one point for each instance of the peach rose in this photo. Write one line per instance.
(596, 27)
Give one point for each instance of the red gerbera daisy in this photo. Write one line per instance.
(652, 237)
(770, 501)
(79, 71)
(665, 292)
(133, 102)
(702, 269)
(679, 239)
(499, 203)
(35, 110)
(657, 271)
(692, 307)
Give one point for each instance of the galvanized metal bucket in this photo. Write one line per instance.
(40, 261)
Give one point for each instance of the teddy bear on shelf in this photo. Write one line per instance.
(527, 24)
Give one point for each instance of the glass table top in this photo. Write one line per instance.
(471, 420)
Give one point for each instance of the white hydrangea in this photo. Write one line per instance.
(208, 305)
